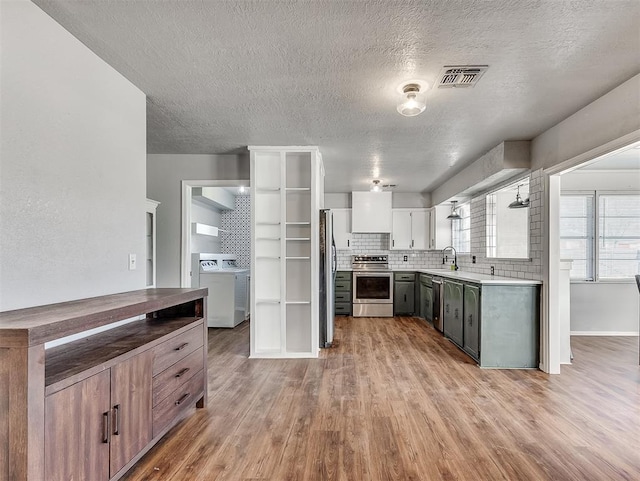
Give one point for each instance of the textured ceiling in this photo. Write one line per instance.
(221, 75)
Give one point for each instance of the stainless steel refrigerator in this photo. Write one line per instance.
(328, 264)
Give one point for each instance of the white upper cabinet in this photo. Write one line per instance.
(371, 212)
(410, 229)
(420, 229)
(440, 227)
(401, 232)
(342, 228)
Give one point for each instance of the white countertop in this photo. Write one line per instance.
(479, 278)
(469, 276)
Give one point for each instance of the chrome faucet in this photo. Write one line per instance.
(455, 257)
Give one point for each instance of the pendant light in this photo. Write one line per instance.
(519, 203)
(413, 102)
(454, 213)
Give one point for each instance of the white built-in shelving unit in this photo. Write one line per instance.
(286, 185)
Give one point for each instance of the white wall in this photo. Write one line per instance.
(581, 180)
(164, 175)
(604, 308)
(72, 165)
(208, 215)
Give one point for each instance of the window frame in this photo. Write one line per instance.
(596, 234)
(594, 218)
(490, 211)
(610, 193)
(456, 229)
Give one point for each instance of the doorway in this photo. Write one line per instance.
(593, 219)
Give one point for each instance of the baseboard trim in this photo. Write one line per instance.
(605, 333)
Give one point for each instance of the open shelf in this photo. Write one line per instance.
(79, 357)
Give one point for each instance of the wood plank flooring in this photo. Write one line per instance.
(396, 401)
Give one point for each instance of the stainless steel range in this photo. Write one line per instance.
(373, 286)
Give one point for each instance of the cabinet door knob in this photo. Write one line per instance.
(470, 319)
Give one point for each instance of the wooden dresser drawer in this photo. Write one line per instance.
(165, 413)
(174, 376)
(176, 348)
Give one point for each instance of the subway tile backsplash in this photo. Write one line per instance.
(379, 244)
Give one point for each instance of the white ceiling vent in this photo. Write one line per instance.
(460, 75)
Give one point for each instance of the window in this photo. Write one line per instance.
(461, 229)
(507, 228)
(618, 236)
(617, 231)
(577, 234)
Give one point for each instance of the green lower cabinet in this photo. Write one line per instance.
(498, 325)
(404, 299)
(453, 321)
(426, 302)
(404, 294)
(471, 328)
(343, 293)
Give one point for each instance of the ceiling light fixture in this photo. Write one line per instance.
(242, 189)
(454, 213)
(519, 203)
(376, 186)
(413, 102)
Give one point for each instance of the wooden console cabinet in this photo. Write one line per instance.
(89, 409)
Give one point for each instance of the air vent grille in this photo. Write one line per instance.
(460, 75)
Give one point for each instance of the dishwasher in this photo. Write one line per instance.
(438, 303)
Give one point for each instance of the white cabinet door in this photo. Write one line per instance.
(420, 229)
(401, 229)
(342, 228)
(440, 231)
(371, 212)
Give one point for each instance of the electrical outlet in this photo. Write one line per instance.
(473, 259)
(132, 262)
(492, 270)
(405, 258)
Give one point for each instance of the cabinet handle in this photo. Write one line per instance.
(105, 427)
(447, 308)
(393, 243)
(470, 319)
(405, 298)
(413, 243)
(181, 346)
(348, 242)
(183, 372)
(116, 419)
(455, 313)
(182, 399)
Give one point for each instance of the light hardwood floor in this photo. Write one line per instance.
(396, 401)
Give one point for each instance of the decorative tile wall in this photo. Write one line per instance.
(515, 268)
(238, 238)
